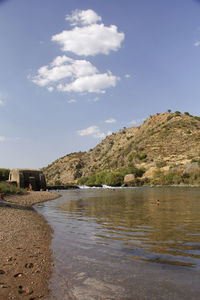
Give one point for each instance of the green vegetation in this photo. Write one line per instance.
(58, 182)
(139, 156)
(7, 188)
(142, 156)
(178, 113)
(169, 117)
(176, 177)
(4, 174)
(112, 178)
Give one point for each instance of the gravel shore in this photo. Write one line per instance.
(25, 256)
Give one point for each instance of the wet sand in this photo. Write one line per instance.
(25, 256)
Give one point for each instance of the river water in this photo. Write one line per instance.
(122, 244)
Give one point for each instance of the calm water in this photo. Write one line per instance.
(119, 244)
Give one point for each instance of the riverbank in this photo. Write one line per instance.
(31, 198)
(25, 256)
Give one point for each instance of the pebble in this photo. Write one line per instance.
(3, 286)
(18, 275)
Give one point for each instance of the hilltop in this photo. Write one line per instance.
(165, 149)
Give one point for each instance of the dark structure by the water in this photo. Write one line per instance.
(24, 178)
(62, 187)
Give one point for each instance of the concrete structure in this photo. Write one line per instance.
(23, 178)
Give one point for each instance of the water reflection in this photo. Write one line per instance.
(122, 245)
(131, 220)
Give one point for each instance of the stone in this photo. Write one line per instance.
(129, 178)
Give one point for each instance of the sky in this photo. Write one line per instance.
(74, 71)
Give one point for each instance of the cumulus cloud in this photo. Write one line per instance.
(93, 131)
(81, 76)
(90, 40)
(136, 122)
(63, 67)
(127, 76)
(110, 121)
(89, 37)
(83, 17)
(1, 102)
(96, 83)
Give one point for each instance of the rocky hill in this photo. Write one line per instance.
(165, 143)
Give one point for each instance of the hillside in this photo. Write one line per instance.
(165, 143)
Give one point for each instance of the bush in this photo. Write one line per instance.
(175, 177)
(142, 156)
(113, 178)
(178, 113)
(7, 188)
(169, 117)
(58, 182)
(82, 180)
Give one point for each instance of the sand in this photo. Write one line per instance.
(25, 256)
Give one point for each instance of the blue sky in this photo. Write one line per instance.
(73, 71)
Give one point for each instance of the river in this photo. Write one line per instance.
(123, 244)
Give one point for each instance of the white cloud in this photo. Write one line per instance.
(110, 121)
(127, 76)
(2, 138)
(83, 17)
(2, 102)
(94, 131)
(136, 122)
(63, 67)
(50, 89)
(90, 40)
(197, 44)
(72, 101)
(96, 83)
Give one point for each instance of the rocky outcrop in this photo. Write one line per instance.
(129, 178)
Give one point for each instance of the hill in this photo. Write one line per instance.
(165, 149)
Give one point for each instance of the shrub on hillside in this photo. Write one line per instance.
(176, 177)
(142, 156)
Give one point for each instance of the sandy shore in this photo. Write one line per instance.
(25, 256)
(32, 198)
